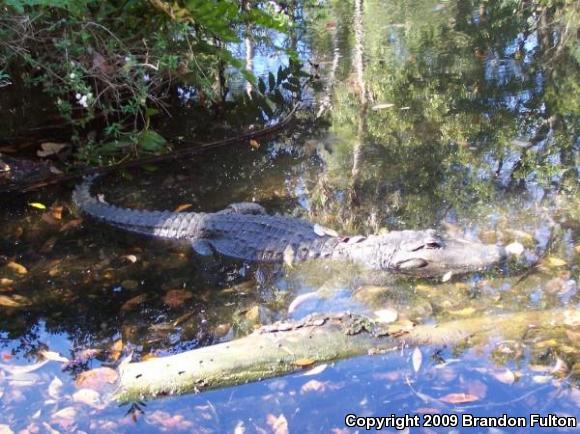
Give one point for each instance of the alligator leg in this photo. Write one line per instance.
(244, 208)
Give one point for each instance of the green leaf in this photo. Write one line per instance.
(261, 86)
(151, 141)
(272, 81)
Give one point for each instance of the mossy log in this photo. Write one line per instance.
(286, 347)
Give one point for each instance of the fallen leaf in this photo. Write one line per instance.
(288, 256)
(183, 207)
(65, 418)
(22, 369)
(13, 301)
(133, 302)
(278, 424)
(304, 362)
(48, 219)
(417, 359)
(5, 429)
(458, 398)
(50, 148)
(254, 144)
(96, 379)
(54, 356)
(116, 350)
(553, 262)
(447, 276)
(468, 311)
(130, 258)
(316, 370)
(313, 386)
(48, 245)
(55, 388)
(129, 284)
(505, 376)
(72, 224)
(6, 282)
(16, 267)
(176, 297)
(57, 212)
(90, 397)
(386, 105)
(37, 205)
(515, 248)
(387, 315)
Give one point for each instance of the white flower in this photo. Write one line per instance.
(72, 75)
(83, 101)
(78, 96)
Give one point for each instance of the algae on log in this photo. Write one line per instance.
(278, 349)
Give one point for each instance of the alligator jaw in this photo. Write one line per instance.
(453, 255)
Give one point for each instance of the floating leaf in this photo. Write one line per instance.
(133, 302)
(89, 397)
(459, 398)
(553, 262)
(176, 297)
(278, 424)
(55, 388)
(183, 207)
(57, 212)
(54, 356)
(73, 224)
(97, 379)
(417, 359)
(13, 301)
(387, 315)
(16, 267)
(468, 311)
(304, 362)
(116, 350)
(50, 148)
(37, 205)
(505, 376)
(515, 248)
(130, 284)
(316, 370)
(313, 386)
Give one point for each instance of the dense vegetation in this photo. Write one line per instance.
(121, 62)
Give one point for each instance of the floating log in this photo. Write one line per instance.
(286, 347)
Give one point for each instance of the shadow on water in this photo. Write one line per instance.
(451, 115)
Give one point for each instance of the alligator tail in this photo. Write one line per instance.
(159, 223)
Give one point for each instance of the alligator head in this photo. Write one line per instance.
(422, 253)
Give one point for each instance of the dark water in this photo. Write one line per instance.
(449, 115)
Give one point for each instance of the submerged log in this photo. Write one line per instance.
(286, 347)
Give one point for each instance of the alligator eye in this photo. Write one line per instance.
(433, 245)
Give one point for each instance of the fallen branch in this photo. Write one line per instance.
(286, 347)
(178, 154)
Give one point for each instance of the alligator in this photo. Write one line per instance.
(244, 231)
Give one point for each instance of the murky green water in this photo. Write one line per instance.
(452, 115)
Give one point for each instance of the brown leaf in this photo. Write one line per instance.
(13, 301)
(72, 224)
(6, 282)
(314, 386)
(96, 379)
(183, 207)
(16, 267)
(176, 297)
(48, 218)
(133, 302)
(116, 350)
(50, 148)
(57, 211)
(278, 424)
(254, 144)
(130, 284)
(458, 398)
(304, 362)
(48, 245)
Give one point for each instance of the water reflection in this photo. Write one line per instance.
(445, 115)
